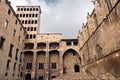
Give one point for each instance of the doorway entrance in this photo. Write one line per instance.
(28, 77)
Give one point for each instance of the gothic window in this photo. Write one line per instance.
(41, 65)
(29, 66)
(1, 42)
(109, 5)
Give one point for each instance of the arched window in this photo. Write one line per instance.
(76, 68)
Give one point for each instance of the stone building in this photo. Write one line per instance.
(26, 54)
(99, 42)
(11, 43)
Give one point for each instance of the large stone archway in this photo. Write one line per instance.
(70, 59)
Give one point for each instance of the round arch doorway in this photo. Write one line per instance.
(28, 77)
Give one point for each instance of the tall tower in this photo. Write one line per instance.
(30, 18)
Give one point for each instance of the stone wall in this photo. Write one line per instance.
(100, 49)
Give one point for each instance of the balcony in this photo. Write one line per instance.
(41, 46)
(29, 46)
(54, 45)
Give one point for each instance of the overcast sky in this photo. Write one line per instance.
(60, 16)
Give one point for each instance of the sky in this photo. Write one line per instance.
(60, 16)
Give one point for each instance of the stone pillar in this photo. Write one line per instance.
(47, 62)
(61, 65)
(61, 60)
(33, 73)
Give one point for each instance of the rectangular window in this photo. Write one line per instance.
(24, 9)
(9, 11)
(32, 15)
(33, 9)
(19, 38)
(36, 15)
(20, 15)
(54, 66)
(21, 9)
(16, 56)
(35, 21)
(26, 15)
(41, 65)
(29, 66)
(6, 24)
(34, 28)
(10, 50)
(1, 42)
(36, 9)
(14, 32)
(16, 22)
(31, 28)
(27, 9)
(30, 9)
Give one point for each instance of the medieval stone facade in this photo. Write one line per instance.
(11, 43)
(26, 54)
